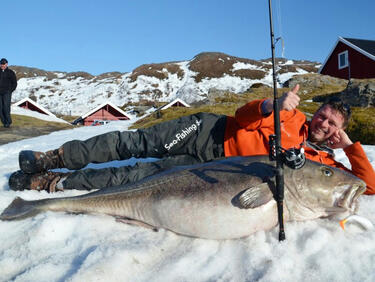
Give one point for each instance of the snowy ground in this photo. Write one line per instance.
(64, 247)
(25, 112)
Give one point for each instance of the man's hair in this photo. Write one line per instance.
(338, 105)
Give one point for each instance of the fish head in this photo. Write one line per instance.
(318, 190)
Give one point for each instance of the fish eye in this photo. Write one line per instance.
(327, 171)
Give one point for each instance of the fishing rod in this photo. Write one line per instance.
(293, 157)
(275, 140)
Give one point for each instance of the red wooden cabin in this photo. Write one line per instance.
(351, 58)
(31, 105)
(102, 114)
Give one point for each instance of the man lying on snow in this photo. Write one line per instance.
(200, 137)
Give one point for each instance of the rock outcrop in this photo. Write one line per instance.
(358, 93)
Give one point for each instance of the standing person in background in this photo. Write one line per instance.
(8, 83)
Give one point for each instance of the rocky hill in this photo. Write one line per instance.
(78, 92)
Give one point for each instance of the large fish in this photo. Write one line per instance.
(225, 199)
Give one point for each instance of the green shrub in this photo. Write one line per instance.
(362, 126)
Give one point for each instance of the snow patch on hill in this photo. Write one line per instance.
(78, 93)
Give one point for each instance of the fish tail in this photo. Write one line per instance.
(20, 209)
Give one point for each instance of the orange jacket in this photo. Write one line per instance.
(248, 133)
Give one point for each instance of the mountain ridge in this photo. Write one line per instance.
(75, 93)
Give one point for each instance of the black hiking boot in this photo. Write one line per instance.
(33, 162)
(48, 181)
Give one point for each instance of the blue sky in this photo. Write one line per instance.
(119, 35)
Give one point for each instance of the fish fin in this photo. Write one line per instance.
(255, 196)
(136, 223)
(20, 209)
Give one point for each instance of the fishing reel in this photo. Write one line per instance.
(293, 157)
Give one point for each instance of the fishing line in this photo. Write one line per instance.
(280, 28)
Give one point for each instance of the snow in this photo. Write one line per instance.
(66, 247)
(286, 76)
(70, 95)
(67, 95)
(289, 62)
(240, 66)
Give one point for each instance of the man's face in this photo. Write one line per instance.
(3, 66)
(324, 124)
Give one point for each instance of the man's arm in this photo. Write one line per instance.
(13, 81)
(361, 166)
(257, 113)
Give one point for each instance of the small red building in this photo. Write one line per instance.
(31, 105)
(351, 58)
(102, 114)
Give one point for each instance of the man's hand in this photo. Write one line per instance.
(339, 140)
(288, 101)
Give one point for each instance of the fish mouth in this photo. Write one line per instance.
(349, 200)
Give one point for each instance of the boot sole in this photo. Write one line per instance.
(27, 162)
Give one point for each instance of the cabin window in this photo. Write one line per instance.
(343, 60)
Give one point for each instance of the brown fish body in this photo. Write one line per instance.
(218, 200)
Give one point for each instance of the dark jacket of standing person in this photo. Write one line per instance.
(8, 81)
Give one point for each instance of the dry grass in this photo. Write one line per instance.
(157, 70)
(77, 74)
(226, 105)
(361, 128)
(26, 121)
(215, 65)
(173, 113)
(24, 127)
(67, 118)
(25, 72)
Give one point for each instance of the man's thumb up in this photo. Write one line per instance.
(290, 100)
